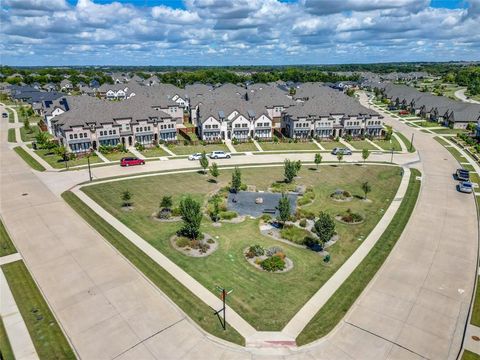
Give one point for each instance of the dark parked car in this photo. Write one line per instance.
(5, 115)
(462, 175)
(129, 161)
(391, 107)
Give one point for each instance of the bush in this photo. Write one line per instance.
(210, 241)
(266, 217)
(294, 234)
(273, 250)
(302, 213)
(310, 241)
(351, 217)
(255, 250)
(139, 147)
(243, 187)
(274, 263)
(176, 211)
(228, 215)
(303, 223)
(182, 242)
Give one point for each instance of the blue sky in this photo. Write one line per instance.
(240, 32)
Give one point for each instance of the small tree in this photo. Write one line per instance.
(41, 138)
(283, 209)
(26, 125)
(388, 133)
(192, 218)
(339, 156)
(126, 198)
(62, 151)
(290, 170)
(365, 154)
(318, 159)
(204, 162)
(166, 202)
(324, 227)
(214, 171)
(366, 187)
(216, 207)
(236, 180)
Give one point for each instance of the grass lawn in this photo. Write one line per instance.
(341, 301)
(455, 153)
(57, 162)
(362, 144)
(192, 149)
(188, 302)
(255, 291)
(468, 355)
(46, 334)
(428, 124)
(5, 348)
(29, 135)
(387, 145)
(11, 136)
(330, 145)
(117, 155)
(11, 118)
(406, 141)
(475, 320)
(6, 245)
(34, 164)
(248, 146)
(448, 131)
(268, 146)
(154, 152)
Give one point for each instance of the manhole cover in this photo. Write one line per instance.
(475, 338)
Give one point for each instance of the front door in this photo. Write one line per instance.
(129, 141)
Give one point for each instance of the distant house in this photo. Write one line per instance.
(94, 84)
(66, 85)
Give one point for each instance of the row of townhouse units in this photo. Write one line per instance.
(92, 123)
(452, 113)
(321, 112)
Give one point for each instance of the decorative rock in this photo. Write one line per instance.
(259, 200)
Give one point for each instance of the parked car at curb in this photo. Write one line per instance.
(131, 161)
(5, 115)
(219, 155)
(465, 187)
(344, 151)
(196, 156)
(462, 175)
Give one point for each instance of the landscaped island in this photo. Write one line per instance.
(256, 290)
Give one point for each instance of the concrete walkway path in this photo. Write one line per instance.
(400, 141)
(318, 145)
(257, 145)
(230, 147)
(167, 150)
(10, 258)
(102, 157)
(374, 145)
(347, 144)
(17, 332)
(137, 153)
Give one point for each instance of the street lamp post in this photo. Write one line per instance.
(88, 162)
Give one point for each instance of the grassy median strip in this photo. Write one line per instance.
(34, 164)
(407, 142)
(46, 334)
(11, 136)
(341, 301)
(6, 245)
(468, 355)
(5, 348)
(195, 308)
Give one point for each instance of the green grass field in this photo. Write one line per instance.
(11, 136)
(188, 302)
(330, 145)
(6, 245)
(5, 348)
(341, 301)
(255, 291)
(362, 144)
(268, 146)
(468, 355)
(154, 152)
(448, 131)
(57, 162)
(387, 145)
(11, 118)
(248, 146)
(116, 156)
(34, 164)
(46, 334)
(29, 135)
(407, 142)
(192, 149)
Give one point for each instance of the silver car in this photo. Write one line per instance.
(465, 187)
(196, 156)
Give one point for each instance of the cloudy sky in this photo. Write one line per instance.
(237, 32)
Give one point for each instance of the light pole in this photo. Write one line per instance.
(411, 142)
(88, 162)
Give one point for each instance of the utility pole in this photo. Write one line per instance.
(89, 169)
(391, 158)
(223, 296)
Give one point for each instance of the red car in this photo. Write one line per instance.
(129, 161)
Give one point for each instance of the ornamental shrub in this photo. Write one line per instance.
(274, 263)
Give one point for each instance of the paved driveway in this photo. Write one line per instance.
(415, 307)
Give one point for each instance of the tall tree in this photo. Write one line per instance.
(204, 162)
(365, 154)
(290, 170)
(236, 180)
(214, 171)
(192, 217)
(324, 227)
(318, 159)
(366, 187)
(283, 209)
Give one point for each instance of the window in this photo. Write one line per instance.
(71, 136)
(75, 136)
(80, 135)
